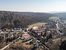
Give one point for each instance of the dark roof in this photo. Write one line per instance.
(9, 26)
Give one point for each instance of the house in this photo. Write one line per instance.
(7, 27)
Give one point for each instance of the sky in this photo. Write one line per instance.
(33, 5)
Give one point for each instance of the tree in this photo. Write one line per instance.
(17, 23)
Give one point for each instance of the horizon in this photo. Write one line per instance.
(33, 12)
(48, 6)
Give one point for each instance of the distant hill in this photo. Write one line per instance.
(62, 15)
(22, 18)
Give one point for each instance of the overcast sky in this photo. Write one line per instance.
(33, 5)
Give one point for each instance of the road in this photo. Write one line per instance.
(8, 45)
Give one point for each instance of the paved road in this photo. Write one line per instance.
(8, 45)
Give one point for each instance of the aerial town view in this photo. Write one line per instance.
(32, 24)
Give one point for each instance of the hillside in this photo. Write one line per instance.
(22, 18)
(61, 15)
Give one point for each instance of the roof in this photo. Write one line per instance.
(7, 26)
(26, 35)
